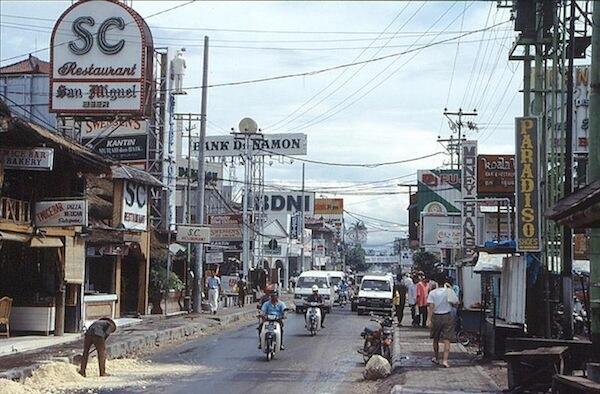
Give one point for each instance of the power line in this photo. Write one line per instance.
(373, 218)
(462, 20)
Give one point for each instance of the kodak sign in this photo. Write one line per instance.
(527, 185)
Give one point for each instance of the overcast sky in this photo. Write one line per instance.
(383, 111)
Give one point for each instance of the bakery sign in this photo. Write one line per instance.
(101, 60)
(29, 159)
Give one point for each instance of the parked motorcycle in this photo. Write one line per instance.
(378, 341)
(270, 336)
(313, 317)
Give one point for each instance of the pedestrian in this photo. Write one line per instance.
(401, 290)
(412, 298)
(242, 286)
(422, 292)
(214, 288)
(96, 335)
(439, 320)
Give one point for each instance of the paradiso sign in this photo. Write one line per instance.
(527, 180)
(101, 55)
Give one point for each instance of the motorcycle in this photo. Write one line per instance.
(342, 297)
(270, 336)
(378, 341)
(313, 317)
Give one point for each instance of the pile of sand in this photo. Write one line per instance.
(60, 377)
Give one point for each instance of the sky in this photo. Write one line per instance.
(382, 111)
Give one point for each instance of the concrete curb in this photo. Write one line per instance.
(140, 343)
(396, 356)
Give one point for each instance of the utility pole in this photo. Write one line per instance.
(458, 127)
(567, 264)
(302, 223)
(198, 267)
(245, 221)
(594, 173)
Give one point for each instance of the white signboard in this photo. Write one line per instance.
(448, 236)
(469, 194)
(262, 144)
(100, 57)
(214, 258)
(32, 159)
(319, 247)
(193, 234)
(118, 128)
(289, 203)
(60, 213)
(134, 214)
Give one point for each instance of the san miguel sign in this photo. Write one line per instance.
(527, 179)
(101, 55)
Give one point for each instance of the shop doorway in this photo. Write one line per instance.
(130, 280)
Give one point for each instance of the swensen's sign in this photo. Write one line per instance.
(134, 214)
(527, 178)
(101, 60)
(60, 213)
(32, 159)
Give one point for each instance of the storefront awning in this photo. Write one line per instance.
(14, 237)
(46, 242)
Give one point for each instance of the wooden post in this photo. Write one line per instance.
(144, 273)
(59, 298)
(118, 265)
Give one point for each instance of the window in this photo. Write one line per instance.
(310, 281)
(375, 285)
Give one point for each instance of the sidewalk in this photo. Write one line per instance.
(415, 373)
(154, 331)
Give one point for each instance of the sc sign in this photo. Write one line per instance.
(135, 206)
(193, 234)
(80, 29)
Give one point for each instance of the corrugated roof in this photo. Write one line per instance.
(120, 171)
(31, 65)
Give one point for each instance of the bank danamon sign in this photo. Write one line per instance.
(101, 60)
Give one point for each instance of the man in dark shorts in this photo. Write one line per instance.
(96, 335)
(440, 320)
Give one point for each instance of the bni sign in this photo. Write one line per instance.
(262, 145)
(469, 195)
(527, 178)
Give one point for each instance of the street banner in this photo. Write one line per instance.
(58, 213)
(193, 234)
(469, 195)
(262, 145)
(495, 175)
(527, 180)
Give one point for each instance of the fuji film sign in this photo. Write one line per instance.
(101, 60)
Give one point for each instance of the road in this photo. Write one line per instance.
(230, 362)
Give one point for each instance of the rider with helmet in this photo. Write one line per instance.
(272, 307)
(316, 297)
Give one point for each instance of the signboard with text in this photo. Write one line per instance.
(101, 55)
(29, 159)
(116, 128)
(134, 212)
(329, 206)
(126, 148)
(60, 213)
(469, 195)
(496, 175)
(527, 181)
(193, 234)
(262, 145)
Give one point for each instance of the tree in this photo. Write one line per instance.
(429, 263)
(356, 258)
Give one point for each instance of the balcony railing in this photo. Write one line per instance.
(15, 211)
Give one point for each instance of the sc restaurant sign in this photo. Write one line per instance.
(193, 234)
(58, 213)
(527, 178)
(100, 60)
(134, 215)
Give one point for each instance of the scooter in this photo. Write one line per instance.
(313, 317)
(378, 341)
(270, 336)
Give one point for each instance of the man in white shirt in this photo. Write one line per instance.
(440, 321)
(214, 286)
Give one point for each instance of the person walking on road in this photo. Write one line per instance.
(214, 288)
(400, 292)
(440, 320)
(412, 299)
(96, 335)
(242, 286)
(422, 292)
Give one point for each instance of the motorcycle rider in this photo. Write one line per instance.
(272, 307)
(316, 297)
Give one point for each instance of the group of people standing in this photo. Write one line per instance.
(432, 306)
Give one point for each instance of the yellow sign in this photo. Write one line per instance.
(329, 206)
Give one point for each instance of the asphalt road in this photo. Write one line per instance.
(231, 363)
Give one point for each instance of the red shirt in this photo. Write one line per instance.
(422, 292)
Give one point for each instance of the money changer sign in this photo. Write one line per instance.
(527, 185)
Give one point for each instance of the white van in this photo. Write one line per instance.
(335, 277)
(375, 294)
(304, 285)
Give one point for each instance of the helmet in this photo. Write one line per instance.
(275, 293)
(315, 288)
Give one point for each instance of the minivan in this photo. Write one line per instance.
(304, 285)
(375, 294)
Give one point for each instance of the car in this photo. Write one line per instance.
(375, 295)
(304, 285)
